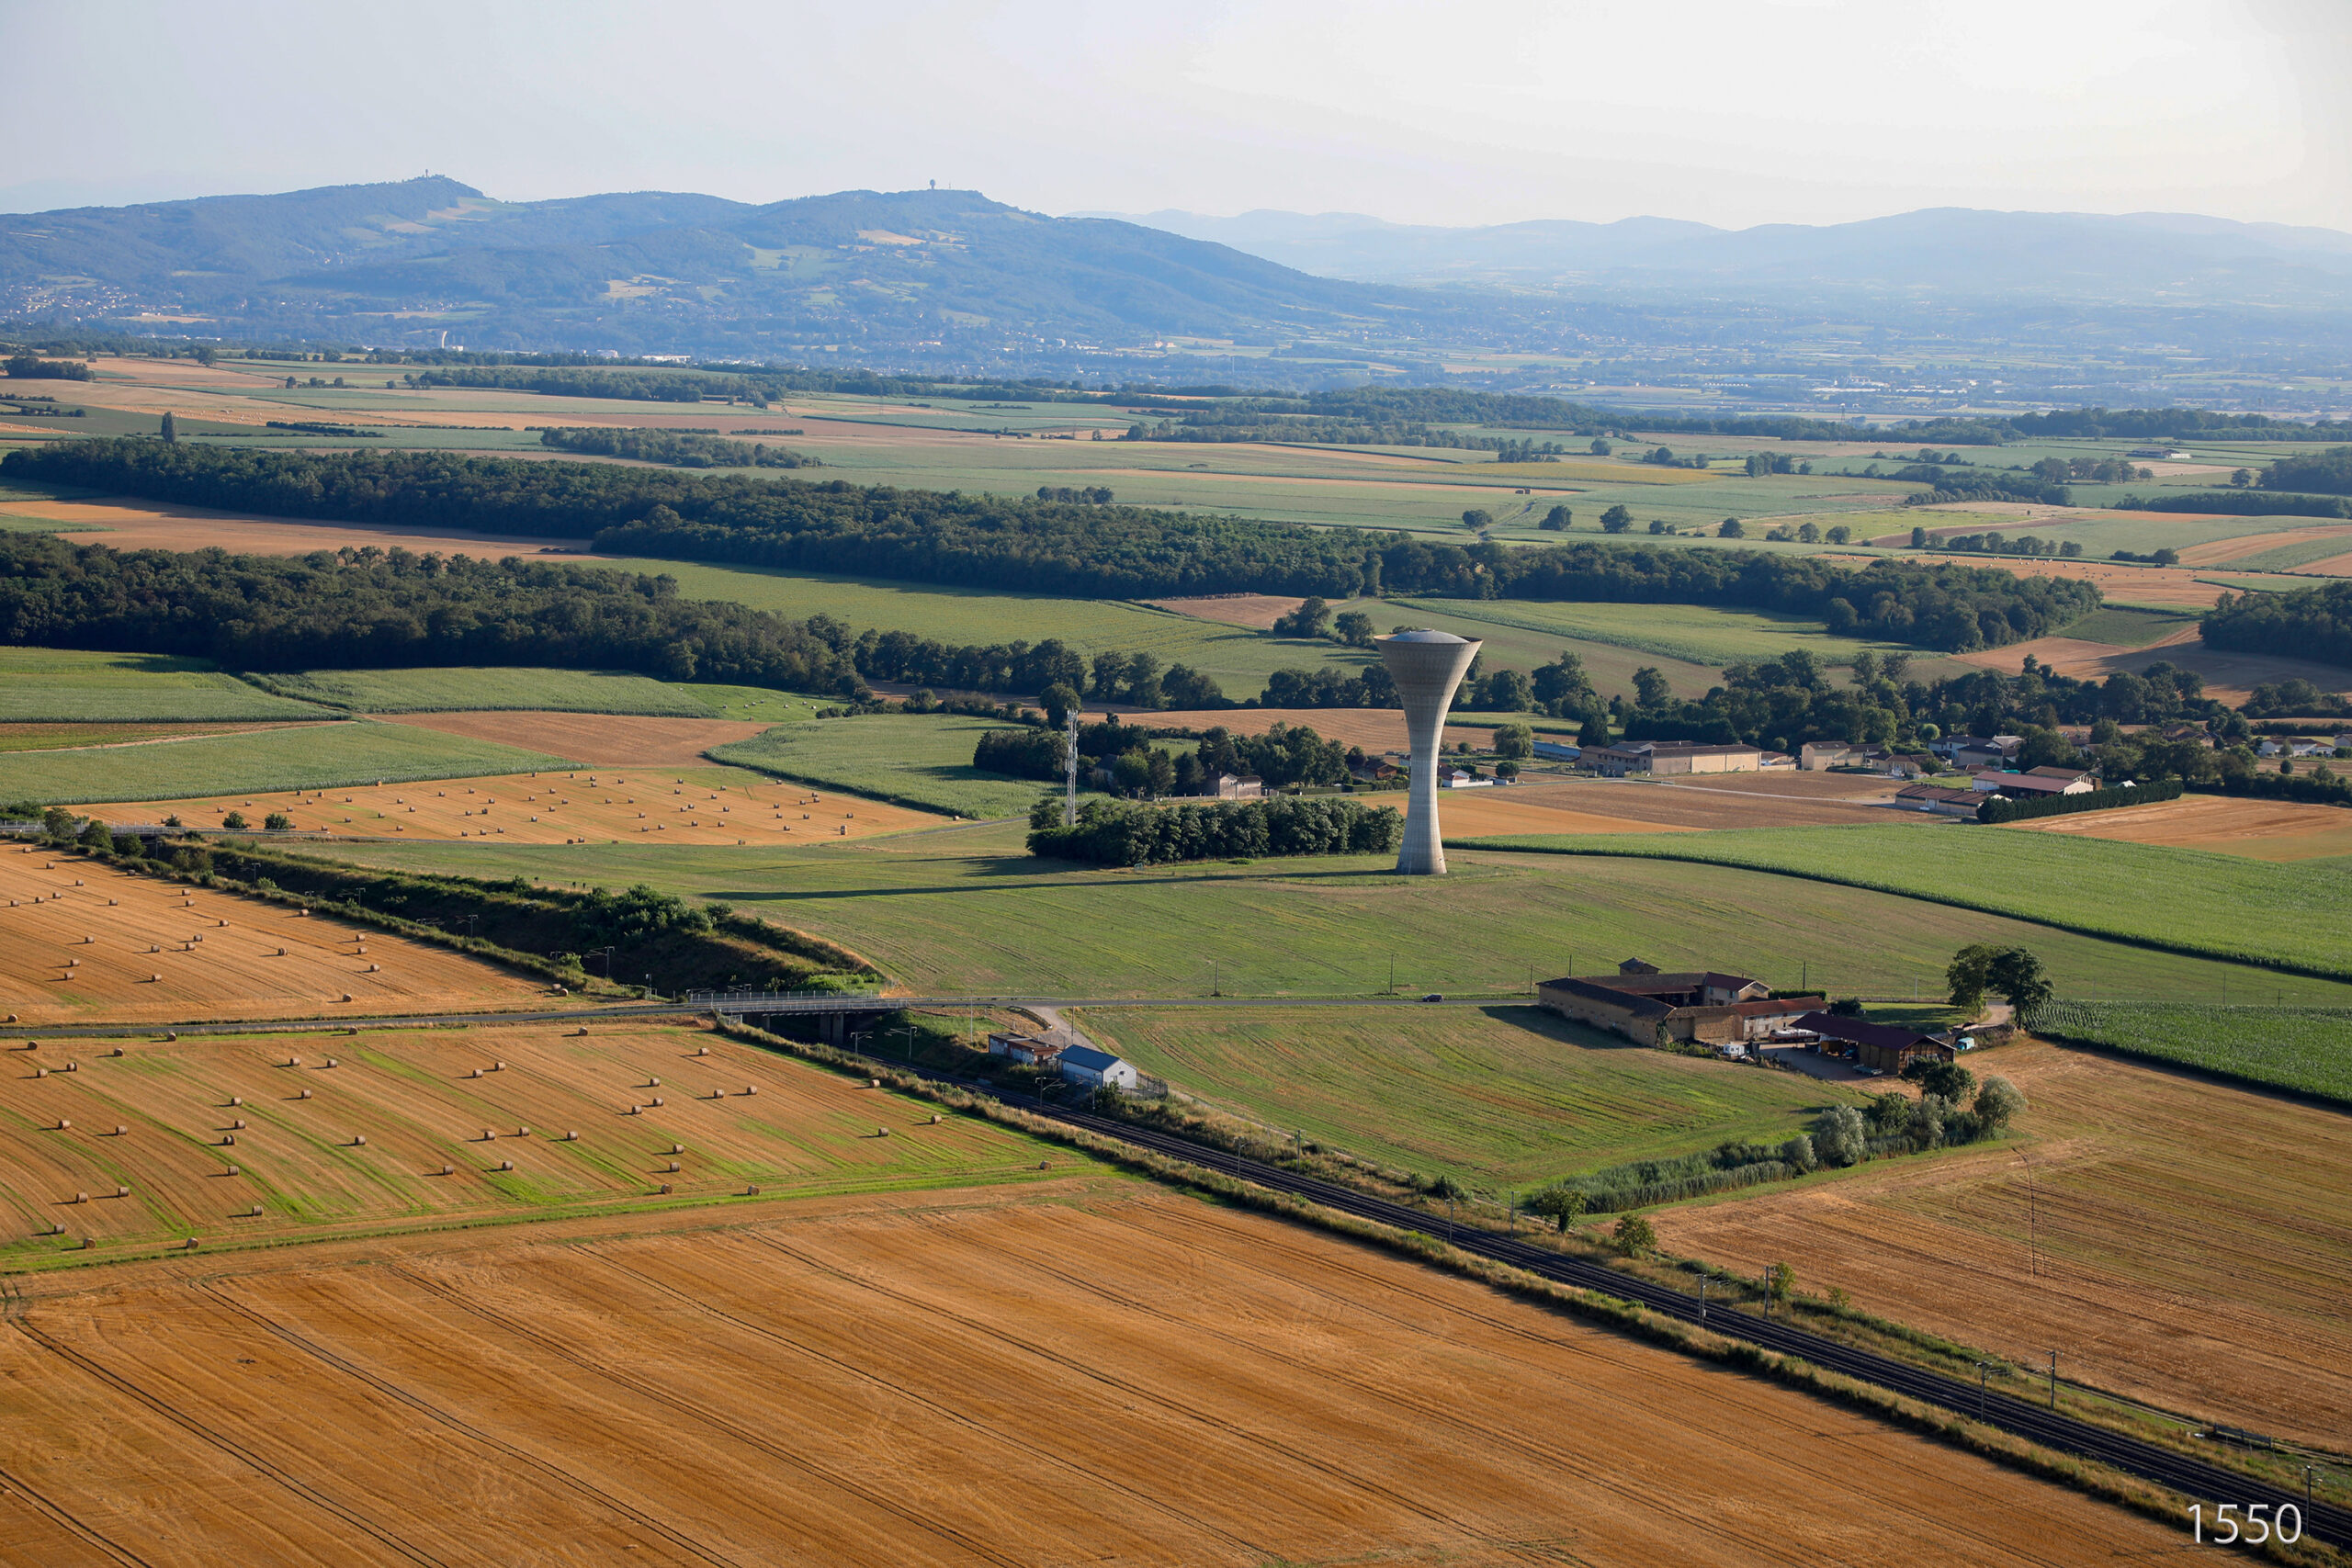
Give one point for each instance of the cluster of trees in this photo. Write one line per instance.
(1120, 833)
(1285, 420)
(1982, 485)
(1896, 1124)
(1805, 533)
(1313, 619)
(2295, 698)
(1995, 812)
(1759, 464)
(2310, 623)
(2170, 424)
(634, 386)
(1993, 542)
(1092, 495)
(677, 448)
(2328, 472)
(1023, 753)
(2239, 504)
(373, 609)
(2097, 471)
(1783, 702)
(32, 367)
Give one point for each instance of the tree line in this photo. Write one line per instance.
(1081, 549)
(676, 448)
(1112, 832)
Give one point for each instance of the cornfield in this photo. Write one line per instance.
(2304, 1048)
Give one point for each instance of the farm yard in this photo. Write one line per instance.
(1182, 1383)
(82, 943)
(690, 805)
(253, 1140)
(2175, 1241)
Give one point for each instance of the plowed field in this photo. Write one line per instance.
(2180, 1242)
(293, 1103)
(1148, 1381)
(2264, 829)
(551, 808)
(83, 943)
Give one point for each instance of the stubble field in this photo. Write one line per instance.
(1139, 1381)
(213, 1127)
(83, 943)
(2173, 1239)
(2260, 829)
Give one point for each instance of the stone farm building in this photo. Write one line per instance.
(1881, 1046)
(1648, 1006)
(1671, 757)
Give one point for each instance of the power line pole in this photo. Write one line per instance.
(1070, 770)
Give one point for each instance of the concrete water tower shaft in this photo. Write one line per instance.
(1427, 666)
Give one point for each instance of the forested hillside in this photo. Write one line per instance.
(2311, 623)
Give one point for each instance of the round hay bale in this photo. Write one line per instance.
(881, 1132)
(449, 1170)
(239, 1124)
(191, 1244)
(236, 1099)
(488, 1136)
(375, 968)
(40, 1072)
(169, 1036)
(506, 1164)
(699, 1050)
(673, 1165)
(122, 1192)
(522, 1132)
(663, 1189)
(56, 1228)
(293, 1061)
(652, 1083)
(677, 1148)
(473, 1072)
(346, 996)
(116, 1052)
(657, 1100)
(121, 1129)
(228, 1140)
(751, 1191)
(498, 1067)
(751, 1089)
(62, 1123)
(81, 1197)
(359, 1139)
(233, 1170)
(330, 1061)
(256, 1210)
(73, 1066)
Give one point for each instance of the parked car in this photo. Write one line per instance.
(1434, 997)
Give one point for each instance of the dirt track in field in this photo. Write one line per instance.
(603, 739)
(49, 974)
(2260, 829)
(2181, 1241)
(423, 1099)
(617, 806)
(1145, 1381)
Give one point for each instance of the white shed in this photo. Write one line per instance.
(1086, 1066)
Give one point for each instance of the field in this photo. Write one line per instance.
(69, 736)
(445, 690)
(125, 522)
(966, 910)
(692, 805)
(1694, 633)
(922, 760)
(58, 685)
(1129, 1380)
(414, 1097)
(2229, 677)
(596, 739)
(1498, 1098)
(2217, 906)
(2174, 1241)
(83, 943)
(305, 757)
(2260, 829)
(1713, 802)
(2308, 1050)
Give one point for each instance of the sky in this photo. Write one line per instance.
(1732, 112)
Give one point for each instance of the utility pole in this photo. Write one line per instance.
(1070, 770)
(1980, 1389)
(2054, 1379)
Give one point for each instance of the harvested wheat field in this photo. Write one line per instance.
(1714, 801)
(586, 1115)
(1532, 809)
(135, 525)
(601, 739)
(83, 943)
(2220, 552)
(2261, 830)
(2184, 1243)
(1146, 1381)
(713, 806)
(2229, 677)
(1258, 611)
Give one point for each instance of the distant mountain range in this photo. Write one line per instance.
(2058, 307)
(2147, 257)
(656, 272)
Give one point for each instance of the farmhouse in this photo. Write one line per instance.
(1881, 1046)
(1646, 1006)
(1979, 751)
(1559, 751)
(1245, 786)
(1090, 1069)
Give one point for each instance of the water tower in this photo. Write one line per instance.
(1427, 666)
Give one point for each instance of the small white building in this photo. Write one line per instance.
(1090, 1069)
(1028, 1050)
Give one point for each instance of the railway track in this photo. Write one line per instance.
(2191, 1477)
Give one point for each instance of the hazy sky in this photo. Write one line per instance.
(1470, 111)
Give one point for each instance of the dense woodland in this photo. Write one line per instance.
(675, 449)
(2310, 623)
(2239, 504)
(2329, 472)
(1118, 833)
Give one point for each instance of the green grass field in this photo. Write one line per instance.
(306, 757)
(2228, 907)
(2305, 1049)
(61, 686)
(1507, 1097)
(919, 760)
(968, 910)
(2126, 627)
(1699, 635)
(436, 690)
